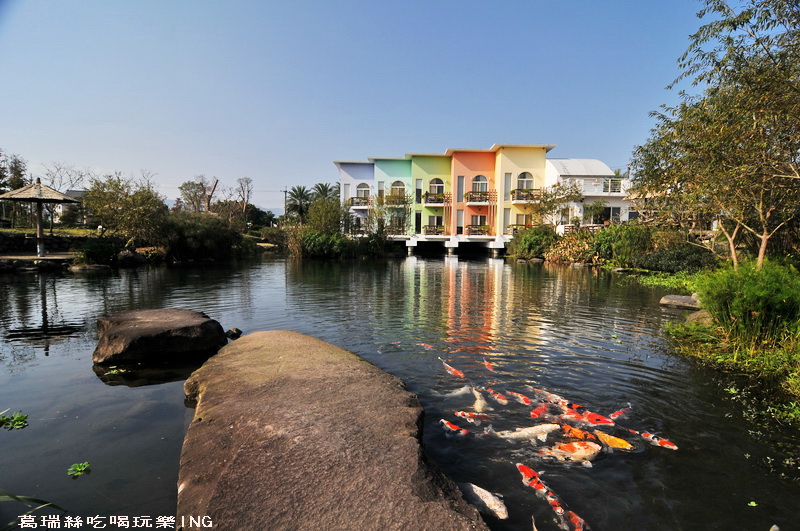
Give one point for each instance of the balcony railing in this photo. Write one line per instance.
(526, 194)
(433, 230)
(437, 199)
(513, 229)
(395, 200)
(476, 230)
(359, 201)
(480, 197)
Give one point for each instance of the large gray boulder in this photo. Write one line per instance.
(681, 301)
(152, 335)
(290, 432)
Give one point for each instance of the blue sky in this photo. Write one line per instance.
(276, 91)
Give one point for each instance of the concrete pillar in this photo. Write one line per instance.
(410, 251)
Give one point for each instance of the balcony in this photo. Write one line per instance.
(525, 195)
(433, 230)
(395, 200)
(476, 230)
(513, 229)
(432, 200)
(480, 198)
(612, 187)
(359, 202)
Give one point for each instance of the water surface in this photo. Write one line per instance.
(581, 333)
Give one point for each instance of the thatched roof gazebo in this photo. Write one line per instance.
(40, 194)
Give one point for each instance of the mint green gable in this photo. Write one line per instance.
(425, 168)
(388, 171)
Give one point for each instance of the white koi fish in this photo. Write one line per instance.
(539, 432)
(483, 500)
(480, 403)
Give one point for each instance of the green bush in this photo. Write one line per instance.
(577, 246)
(99, 251)
(631, 243)
(684, 257)
(533, 242)
(320, 244)
(193, 236)
(753, 305)
(274, 235)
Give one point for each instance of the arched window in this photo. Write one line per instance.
(362, 190)
(398, 188)
(480, 184)
(437, 186)
(525, 181)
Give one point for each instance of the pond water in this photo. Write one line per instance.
(584, 334)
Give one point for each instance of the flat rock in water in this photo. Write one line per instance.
(290, 432)
(680, 301)
(150, 335)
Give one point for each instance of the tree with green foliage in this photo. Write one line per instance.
(298, 202)
(732, 152)
(554, 199)
(125, 207)
(325, 191)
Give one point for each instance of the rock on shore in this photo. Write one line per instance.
(150, 335)
(291, 432)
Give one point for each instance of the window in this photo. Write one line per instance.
(478, 220)
(362, 190)
(524, 219)
(525, 181)
(398, 188)
(419, 191)
(480, 184)
(380, 189)
(612, 185)
(437, 186)
(460, 192)
(435, 220)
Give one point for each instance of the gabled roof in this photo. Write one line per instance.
(37, 193)
(581, 168)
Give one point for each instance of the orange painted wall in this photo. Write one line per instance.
(469, 164)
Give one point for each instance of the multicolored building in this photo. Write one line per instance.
(473, 195)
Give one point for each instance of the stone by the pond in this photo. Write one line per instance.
(291, 432)
(681, 301)
(141, 335)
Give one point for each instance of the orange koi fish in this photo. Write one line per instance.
(577, 523)
(497, 397)
(613, 442)
(655, 440)
(577, 433)
(452, 370)
(519, 397)
(578, 451)
(452, 430)
(594, 419)
(488, 364)
(474, 418)
(425, 346)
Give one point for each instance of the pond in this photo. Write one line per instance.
(584, 334)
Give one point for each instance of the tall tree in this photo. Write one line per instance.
(323, 191)
(244, 192)
(298, 202)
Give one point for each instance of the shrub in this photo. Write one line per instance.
(533, 242)
(577, 246)
(753, 305)
(99, 251)
(684, 257)
(274, 235)
(193, 236)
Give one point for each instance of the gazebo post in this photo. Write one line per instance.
(39, 231)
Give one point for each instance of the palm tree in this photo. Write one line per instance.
(298, 201)
(324, 191)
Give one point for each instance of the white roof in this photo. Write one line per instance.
(581, 167)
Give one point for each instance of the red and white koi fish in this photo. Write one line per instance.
(531, 478)
(620, 413)
(576, 522)
(500, 399)
(395, 342)
(549, 397)
(581, 414)
(473, 418)
(578, 452)
(655, 440)
(452, 370)
(519, 397)
(452, 430)
(540, 412)
(488, 364)
(425, 346)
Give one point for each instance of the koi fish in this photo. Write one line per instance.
(452, 370)
(578, 451)
(452, 430)
(531, 478)
(577, 523)
(541, 411)
(395, 342)
(577, 433)
(425, 346)
(655, 440)
(480, 403)
(519, 397)
(497, 397)
(483, 500)
(613, 442)
(620, 413)
(458, 392)
(488, 364)
(549, 397)
(539, 432)
(474, 418)
(586, 416)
